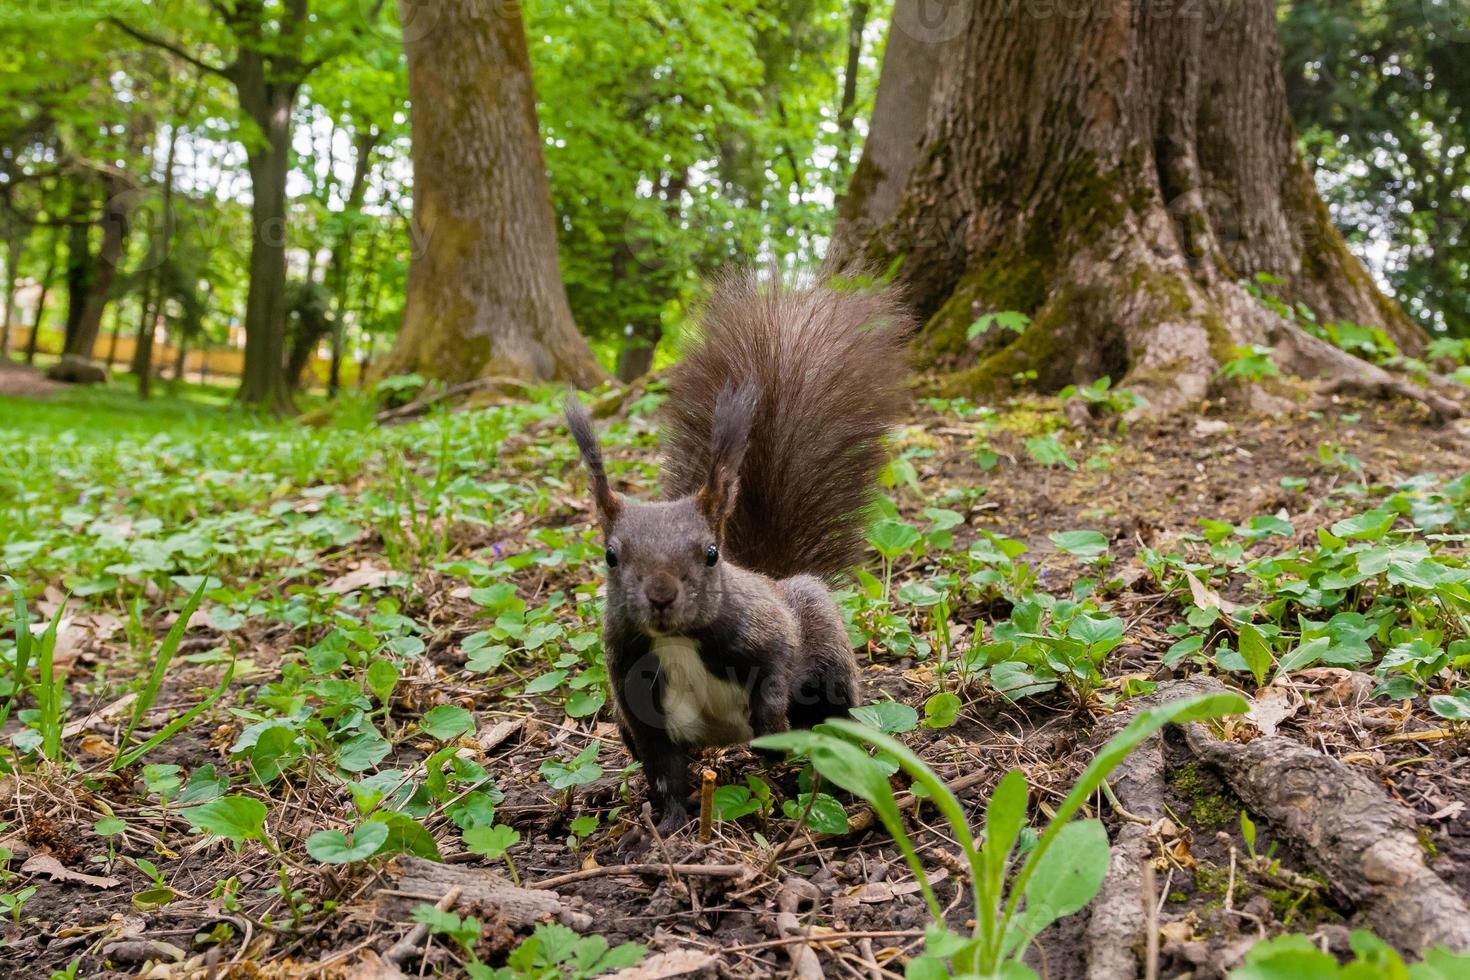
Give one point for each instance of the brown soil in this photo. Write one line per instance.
(24, 381)
(1159, 479)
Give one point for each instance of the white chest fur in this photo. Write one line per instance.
(699, 708)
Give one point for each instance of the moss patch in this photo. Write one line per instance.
(1020, 273)
(1208, 809)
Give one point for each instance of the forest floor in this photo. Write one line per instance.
(397, 638)
(22, 381)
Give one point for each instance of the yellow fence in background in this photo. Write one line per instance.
(215, 364)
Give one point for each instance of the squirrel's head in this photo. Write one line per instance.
(664, 567)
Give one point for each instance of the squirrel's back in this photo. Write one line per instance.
(828, 366)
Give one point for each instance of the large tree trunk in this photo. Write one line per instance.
(1113, 171)
(485, 295)
(264, 380)
(923, 34)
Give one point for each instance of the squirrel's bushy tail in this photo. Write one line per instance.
(828, 366)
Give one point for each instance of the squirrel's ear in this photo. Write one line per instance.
(734, 414)
(609, 504)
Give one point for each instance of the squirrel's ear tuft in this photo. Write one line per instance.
(729, 435)
(609, 504)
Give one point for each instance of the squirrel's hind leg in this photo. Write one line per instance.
(824, 677)
(826, 689)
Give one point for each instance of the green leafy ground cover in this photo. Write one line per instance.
(261, 662)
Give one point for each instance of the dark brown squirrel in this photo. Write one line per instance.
(719, 627)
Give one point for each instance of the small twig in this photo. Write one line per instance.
(706, 806)
(1119, 809)
(1151, 921)
(865, 947)
(825, 938)
(1230, 885)
(400, 951)
(696, 870)
(658, 840)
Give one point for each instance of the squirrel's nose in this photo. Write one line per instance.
(661, 591)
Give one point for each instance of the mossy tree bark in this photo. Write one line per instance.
(924, 34)
(1113, 170)
(485, 295)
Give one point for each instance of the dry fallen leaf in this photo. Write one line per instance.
(876, 892)
(1209, 427)
(1271, 706)
(365, 576)
(1448, 810)
(1176, 932)
(1179, 851)
(675, 963)
(373, 967)
(1208, 598)
(45, 864)
(97, 747)
(492, 737)
(108, 713)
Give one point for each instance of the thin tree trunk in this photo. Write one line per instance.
(485, 295)
(14, 249)
(341, 257)
(80, 264)
(46, 279)
(180, 356)
(142, 364)
(640, 341)
(143, 354)
(847, 105)
(117, 318)
(1113, 174)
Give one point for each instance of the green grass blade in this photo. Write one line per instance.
(48, 694)
(1196, 708)
(22, 648)
(168, 731)
(149, 695)
(939, 794)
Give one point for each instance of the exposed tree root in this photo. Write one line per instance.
(1345, 374)
(520, 908)
(1117, 924)
(509, 387)
(1348, 829)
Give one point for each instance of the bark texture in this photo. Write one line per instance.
(485, 295)
(1113, 170)
(1362, 842)
(924, 32)
(269, 104)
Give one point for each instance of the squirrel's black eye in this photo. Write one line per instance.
(612, 558)
(711, 555)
